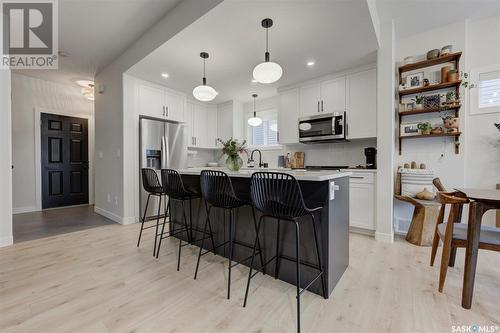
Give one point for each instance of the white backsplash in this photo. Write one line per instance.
(343, 153)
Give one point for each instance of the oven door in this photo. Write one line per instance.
(322, 128)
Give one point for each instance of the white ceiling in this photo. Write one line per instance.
(414, 16)
(337, 35)
(94, 32)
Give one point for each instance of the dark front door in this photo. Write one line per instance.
(65, 174)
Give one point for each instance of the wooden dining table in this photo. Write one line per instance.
(482, 200)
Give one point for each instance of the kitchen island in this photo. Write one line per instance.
(329, 189)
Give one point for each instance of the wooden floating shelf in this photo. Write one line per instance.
(430, 88)
(420, 111)
(453, 134)
(427, 63)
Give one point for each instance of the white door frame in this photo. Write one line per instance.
(38, 151)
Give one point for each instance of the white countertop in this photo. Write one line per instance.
(317, 176)
(359, 170)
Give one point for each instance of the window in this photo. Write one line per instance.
(485, 90)
(266, 134)
(489, 89)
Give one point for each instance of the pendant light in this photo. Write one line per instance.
(254, 121)
(267, 71)
(204, 92)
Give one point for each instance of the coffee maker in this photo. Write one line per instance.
(371, 157)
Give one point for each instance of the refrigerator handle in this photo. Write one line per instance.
(164, 152)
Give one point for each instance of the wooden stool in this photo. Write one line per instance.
(425, 216)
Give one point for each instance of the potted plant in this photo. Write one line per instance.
(233, 149)
(452, 75)
(425, 128)
(419, 101)
(451, 123)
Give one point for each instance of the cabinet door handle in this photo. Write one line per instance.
(322, 106)
(163, 110)
(356, 177)
(318, 106)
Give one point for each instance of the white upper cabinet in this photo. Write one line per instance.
(324, 97)
(309, 100)
(151, 101)
(333, 95)
(288, 114)
(175, 105)
(201, 121)
(362, 115)
(160, 102)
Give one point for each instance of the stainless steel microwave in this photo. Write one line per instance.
(323, 128)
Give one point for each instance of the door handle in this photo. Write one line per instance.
(318, 106)
(166, 110)
(322, 106)
(163, 110)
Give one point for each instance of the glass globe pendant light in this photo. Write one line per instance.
(204, 92)
(254, 121)
(267, 71)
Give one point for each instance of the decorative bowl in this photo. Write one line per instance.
(433, 54)
(447, 49)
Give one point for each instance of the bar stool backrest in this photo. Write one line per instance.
(217, 189)
(150, 181)
(277, 194)
(172, 184)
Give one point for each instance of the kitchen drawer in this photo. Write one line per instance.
(362, 177)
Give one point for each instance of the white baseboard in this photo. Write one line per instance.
(27, 209)
(114, 217)
(6, 241)
(384, 237)
(361, 231)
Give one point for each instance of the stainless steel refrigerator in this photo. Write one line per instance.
(162, 145)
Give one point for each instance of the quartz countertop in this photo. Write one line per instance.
(309, 175)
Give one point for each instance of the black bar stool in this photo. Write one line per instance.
(174, 188)
(217, 190)
(151, 185)
(278, 195)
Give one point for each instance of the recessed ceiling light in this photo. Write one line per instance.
(63, 54)
(254, 81)
(85, 83)
(164, 75)
(310, 63)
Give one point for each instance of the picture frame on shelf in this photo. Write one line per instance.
(409, 129)
(415, 80)
(409, 106)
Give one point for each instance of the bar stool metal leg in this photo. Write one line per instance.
(251, 261)
(231, 251)
(157, 225)
(323, 282)
(277, 262)
(143, 219)
(163, 228)
(258, 242)
(297, 253)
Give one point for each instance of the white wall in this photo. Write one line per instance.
(28, 95)
(385, 133)
(340, 154)
(478, 163)
(6, 160)
(115, 150)
(482, 153)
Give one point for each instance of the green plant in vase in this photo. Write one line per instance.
(425, 128)
(419, 101)
(233, 149)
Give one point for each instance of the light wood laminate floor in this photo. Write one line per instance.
(96, 280)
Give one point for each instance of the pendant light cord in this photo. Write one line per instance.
(267, 45)
(204, 76)
(254, 112)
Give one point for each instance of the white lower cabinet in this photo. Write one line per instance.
(362, 200)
